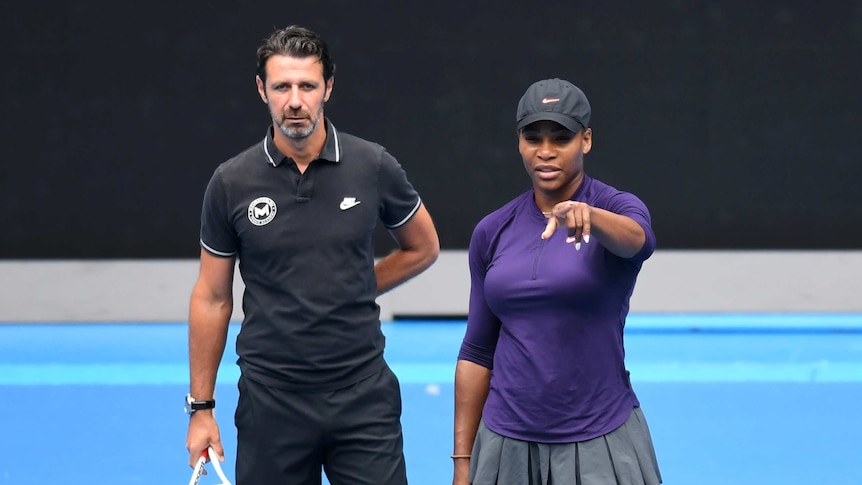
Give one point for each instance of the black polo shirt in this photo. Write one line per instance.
(305, 248)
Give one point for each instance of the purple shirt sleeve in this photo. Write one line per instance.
(629, 205)
(483, 327)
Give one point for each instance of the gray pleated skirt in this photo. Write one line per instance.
(625, 456)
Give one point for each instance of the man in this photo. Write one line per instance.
(298, 210)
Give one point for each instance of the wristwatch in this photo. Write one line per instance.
(192, 405)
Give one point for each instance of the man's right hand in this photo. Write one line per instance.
(203, 433)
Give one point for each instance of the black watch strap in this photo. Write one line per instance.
(193, 405)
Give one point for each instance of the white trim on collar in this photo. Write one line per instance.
(266, 151)
(334, 137)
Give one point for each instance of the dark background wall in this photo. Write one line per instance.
(737, 123)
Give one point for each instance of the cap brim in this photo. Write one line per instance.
(567, 121)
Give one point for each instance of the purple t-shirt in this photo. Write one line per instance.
(548, 320)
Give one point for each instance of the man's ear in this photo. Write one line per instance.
(329, 85)
(261, 89)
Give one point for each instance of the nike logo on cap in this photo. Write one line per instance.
(549, 100)
(348, 202)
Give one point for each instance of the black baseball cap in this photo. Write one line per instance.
(555, 100)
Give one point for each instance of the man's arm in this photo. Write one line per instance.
(210, 309)
(418, 248)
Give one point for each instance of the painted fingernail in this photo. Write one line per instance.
(570, 239)
(587, 238)
(577, 246)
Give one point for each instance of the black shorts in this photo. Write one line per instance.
(353, 434)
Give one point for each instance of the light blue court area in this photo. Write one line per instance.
(742, 399)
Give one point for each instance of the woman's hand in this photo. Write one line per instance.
(575, 216)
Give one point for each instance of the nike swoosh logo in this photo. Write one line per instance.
(549, 100)
(348, 203)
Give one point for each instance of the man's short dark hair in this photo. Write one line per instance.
(294, 41)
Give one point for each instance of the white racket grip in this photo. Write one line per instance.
(199, 468)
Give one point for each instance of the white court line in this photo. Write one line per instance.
(432, 373)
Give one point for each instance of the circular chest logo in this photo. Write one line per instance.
(261, 211)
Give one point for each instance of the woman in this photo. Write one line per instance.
(542, 395)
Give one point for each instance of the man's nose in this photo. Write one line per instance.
(294, 102)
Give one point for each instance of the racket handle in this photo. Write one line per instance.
(199, 469)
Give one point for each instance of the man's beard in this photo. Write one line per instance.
(297, 132)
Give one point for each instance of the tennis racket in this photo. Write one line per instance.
(199, 468)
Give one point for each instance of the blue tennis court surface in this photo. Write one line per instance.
(742, 399)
